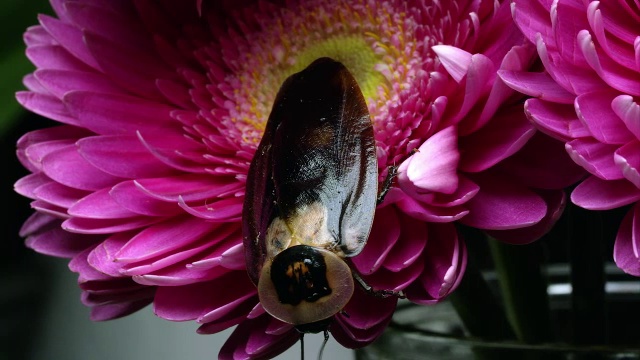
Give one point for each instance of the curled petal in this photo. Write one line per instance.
(626, 252)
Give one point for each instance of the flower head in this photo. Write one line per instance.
(587, 96)
(162, 105)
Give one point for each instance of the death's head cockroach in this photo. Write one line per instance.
(311, 196)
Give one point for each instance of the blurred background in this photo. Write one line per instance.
(41, 317)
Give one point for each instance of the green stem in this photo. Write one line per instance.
(478, 308)
(524, 290)
(587, 276)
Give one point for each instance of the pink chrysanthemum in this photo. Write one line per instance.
(162, 105)
(588, 97)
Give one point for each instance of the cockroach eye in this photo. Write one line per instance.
(305, 284)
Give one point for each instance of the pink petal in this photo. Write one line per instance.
(106, 226)
(123, 156)
(46, 105)
(455, 60)
(595, 111)
(84, 177)
(60, 82)
(539, 85)
(52, 240)
(613, 74)
(556, 202)
(99, 205)
(595, 157)
(597, 194)
(251, 341)
(434, 166)
(69, 37)
(445, 259)
(58, 194)
(557, 120)
(164, 238)
(507, 133)
(501, 205)
(190, 302)
(109, 114)
(410, 244)
(103, 256)
(118, 310)
(533, 17)
(629, 111)
(542, 163)
(625, 251)
(129, 196)
(627, 158)
(384, 235)
(365, 310)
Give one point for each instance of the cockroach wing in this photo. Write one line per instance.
(317, 152)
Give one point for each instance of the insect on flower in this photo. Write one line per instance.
(311, 196)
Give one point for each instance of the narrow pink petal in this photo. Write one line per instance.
(128, 195)
(501, 205)
(628, 160)
(131, 68)
(189, 187)
(118, 310)
(410, 244)
(27, 185)
(54, 241)
(54, 57)
(109, 114)
(384, 234)
(177, 275)
(58, 194)
(123, 156)
(507, 133)
(398, 280)
(595, 157)
(455, 60)
(543, 163)
(60, 82)
(434, 166)
(557, 120)
(355, 338)
(533, 17)
(539, 85)
(216, 210)
(597, 194)
(569, 18)
(365, 311)
(190, 302)
(556, 202)
(595, 111)
(250, 341)
(176, 257)
(574, 79)
(165, 237)
(480, 75)
(445, 260)
(103, 256)
(46, 105)
(99, 205)
(35, 153)
(629, 111)
(106, 226)
(70, 37)
(613, 74)
(84, 177)
(625, 250)
(425, 212)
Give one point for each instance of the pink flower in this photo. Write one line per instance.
(587, 97)
(161, 107)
